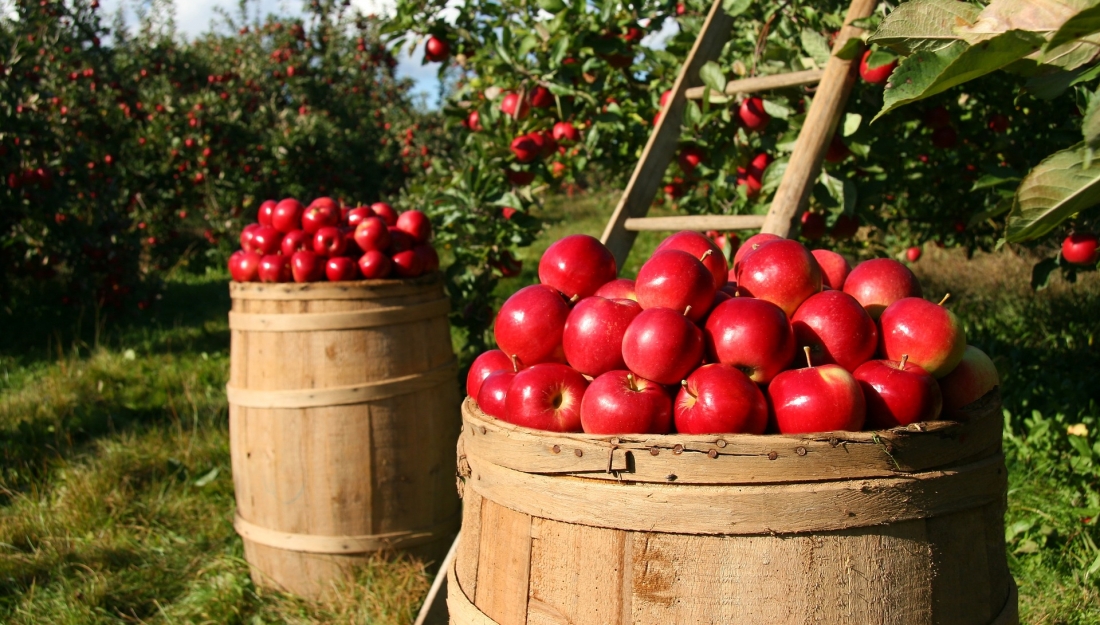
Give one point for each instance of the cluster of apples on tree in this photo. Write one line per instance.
(787, 340)
(323, 241)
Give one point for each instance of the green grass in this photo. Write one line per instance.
(116, 496)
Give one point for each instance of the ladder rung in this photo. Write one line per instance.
(698, 223)
(763, 83)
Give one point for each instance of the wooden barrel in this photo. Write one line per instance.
(343, 416)
(900, 527)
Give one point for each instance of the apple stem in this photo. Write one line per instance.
(631, 382)
(576, 298)
(687, 310)
(684, 384)
(944, 299)
(705, 254)
(515, 363)
(904, 358)
(809, 363)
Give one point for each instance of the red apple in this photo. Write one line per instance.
(758, 165)
(296, 241)
(720, 399)
(974, 376)
(416, 224)
(540, 97)
(492, 396)
(752, 244)
(751, 334)
(385, 212)
(307, 267)
(372, 234)
(266, 240)
(1081, 248)
(619, 402)
(834, 268)
(287, 215)
(577, 265)
(513, 105)
(752, 114)
(400, 241)
(329, 241)
(565, 132)
(781, 272)
(621, 288)
(266, 211)
(913, 254)
(408, 264)
(546, 397)
(817, 399)
(662, 345)
(898, 393)
(703, 248)
(690, 157)
(929, 334)
(351, 248)
(326, 202)
(473, 121)
(319, 216)
(486, 363)
(436, 50)
(341, 269)
(677, 280)
(274, 268)
(836, 329)
(244, 266)
(247, 233)
(428, 257)
(375, 265)
(530, 325)
(593, 336)
(357, 215)
(875, 75)
(519, 178)
(526, 149)
(813, 226)
(879, 282)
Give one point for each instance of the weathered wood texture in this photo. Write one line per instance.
(756, 84)
(901, 527)
(342, 430)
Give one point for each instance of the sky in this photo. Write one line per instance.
(194, 17)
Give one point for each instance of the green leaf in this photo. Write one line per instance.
(843, 191)
(776, 109)
(712, 76)
(561, 50)
(850, 49)
(1055, 189)
(528, 43)
(815, 45)
(692, 113)
(551, 6)
(1086, 22)
(879, 58)
(772, 177)
(924, 25)
(733, 8)
(998, 209)
(926, 73)
(1090, 125)
(851, 124)
(989, 181)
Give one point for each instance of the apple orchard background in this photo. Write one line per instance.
(131, 158)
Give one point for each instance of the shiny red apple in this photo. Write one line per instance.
(341, 269)
(781, 272)
(287, 215)
(244, 266)
(753, 335)
(319, 216)
(357, 215)
(296, 241)
(400, 241)
(247, 235)
(486, 363)
(408, 264)
(593, 335)
(265, 212)
(836, 329)
(879, 282)
(662, 345)
(752, 244)
(929, 334)
(1081, 248)
(274, 268)
(375, 265)
(329, 242)
(530, 325)
(898, 393)
(577, 265)
(428, 256)
(677, 280)
(492, 395)
(621, 288)
(385, 212)
(372, 234)
(307, 267)
(703, 248)
(817, 399)
(974, 376)
(720, 399)
(619, 402)
(416, 224)
(547, 397)
(834, 268)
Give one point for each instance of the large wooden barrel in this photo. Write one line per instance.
(901, 527)
(343, 416)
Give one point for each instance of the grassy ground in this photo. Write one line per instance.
(116, 495)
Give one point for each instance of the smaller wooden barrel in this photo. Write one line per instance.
(900, 527)
(343, 415)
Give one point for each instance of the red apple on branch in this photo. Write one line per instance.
(720, 399)
(752, 114)
(662, 345)
(546, 397)
(619, 402)
(593, 335)
(898, 393)
(753, 335)
(817, 399)
(1081, 248)
(929, 334)
(565, 133)
(436, 50)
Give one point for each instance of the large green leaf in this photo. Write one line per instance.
(926, 25)
(713, 77)
(1055, 189)
(1090, 125)
(1084, 23)
(1038, 16)
(927, 73)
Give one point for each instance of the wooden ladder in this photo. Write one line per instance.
(834, 84)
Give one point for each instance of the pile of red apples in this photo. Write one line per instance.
(326, 241)
(788, 341)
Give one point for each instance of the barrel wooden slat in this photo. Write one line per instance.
(342, 440)
(918, 548)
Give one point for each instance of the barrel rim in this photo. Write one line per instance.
(353, 289)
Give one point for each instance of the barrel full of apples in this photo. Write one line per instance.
(786, 341)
